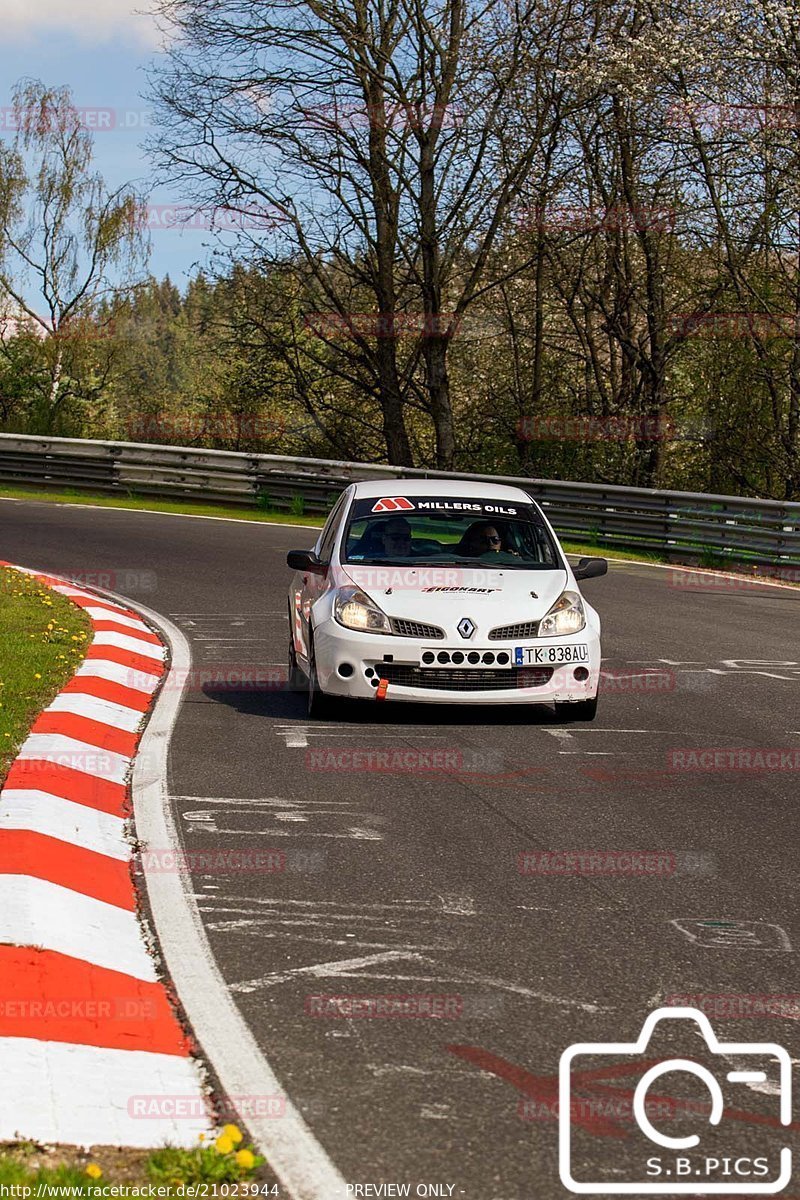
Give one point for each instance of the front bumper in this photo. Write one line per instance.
(366, 658)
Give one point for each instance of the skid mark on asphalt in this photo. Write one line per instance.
(545, 1090)
(296, 734)
(344, 820)
(404, 926)
(403, 920)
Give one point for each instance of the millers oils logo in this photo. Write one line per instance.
(392, 504)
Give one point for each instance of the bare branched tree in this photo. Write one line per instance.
(66, 242)
(382, 140)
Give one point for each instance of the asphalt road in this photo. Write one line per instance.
(408, 881)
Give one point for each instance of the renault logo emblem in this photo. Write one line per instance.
(466, 627)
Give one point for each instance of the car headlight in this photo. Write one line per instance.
(354, 609)
(566, 616)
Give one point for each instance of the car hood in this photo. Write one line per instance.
(445, 595)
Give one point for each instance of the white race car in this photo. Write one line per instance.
(442, 592)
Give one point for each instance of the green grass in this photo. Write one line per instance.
(219, 1158)
(156, 504)
(43, 637)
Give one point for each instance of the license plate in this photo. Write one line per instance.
(531, 656)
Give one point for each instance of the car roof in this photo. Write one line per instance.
(459, 489)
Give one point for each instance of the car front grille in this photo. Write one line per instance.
(524, 629)
(416, 629)
(450, 679)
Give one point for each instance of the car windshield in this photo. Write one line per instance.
(445, 531)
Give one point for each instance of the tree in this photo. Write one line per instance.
(66, 243)
(381, 140)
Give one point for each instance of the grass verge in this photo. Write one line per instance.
(43, 637)
(157, 504)
(223, 1158)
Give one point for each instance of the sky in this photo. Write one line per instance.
(101, 49)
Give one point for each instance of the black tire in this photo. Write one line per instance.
(318, 702)
(296, 680)
(576, 710)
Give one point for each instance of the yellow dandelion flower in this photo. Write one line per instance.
(245, 1159)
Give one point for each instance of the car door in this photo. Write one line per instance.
(313, 586)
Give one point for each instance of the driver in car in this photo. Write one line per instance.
(482, 538)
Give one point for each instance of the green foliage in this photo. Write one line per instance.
(43, 637)
(203, 1164)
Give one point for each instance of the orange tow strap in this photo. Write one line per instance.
(383, 687)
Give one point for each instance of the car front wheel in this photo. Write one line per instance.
(318, 702)
(296, 680)
(576, 710)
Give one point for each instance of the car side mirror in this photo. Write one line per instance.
(306, 560)
(590, 568)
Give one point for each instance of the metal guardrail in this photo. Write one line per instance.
(675, 524)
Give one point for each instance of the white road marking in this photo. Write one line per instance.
(204, 820)
(295, 736)
(460, 906)
(35, 912)
(460, 977)
(593, 753)
(342, 968)
(723, 934)
(436, 1112)
(52, 816)
(289, 1146)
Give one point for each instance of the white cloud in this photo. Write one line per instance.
(89, 20)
